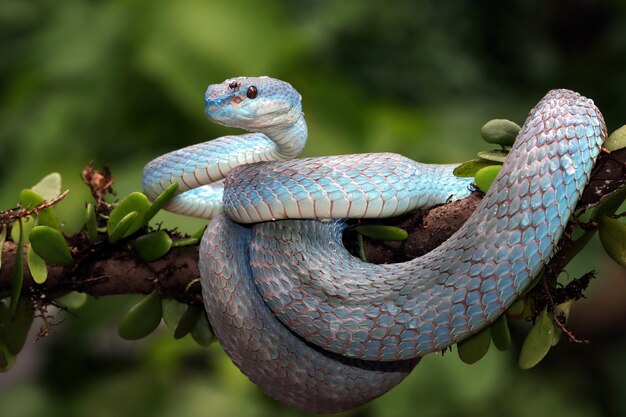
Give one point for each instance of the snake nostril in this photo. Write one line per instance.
(233, 85)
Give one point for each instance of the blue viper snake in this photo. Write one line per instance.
(306, 321)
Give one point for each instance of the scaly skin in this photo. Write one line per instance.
(377, 320)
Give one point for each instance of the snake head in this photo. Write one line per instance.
(252, 103)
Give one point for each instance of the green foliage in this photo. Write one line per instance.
(36, 266)
(500, 333)
(188, 321)
(72, 301)
(470, 168)
(17, 274)
(50, 244)
(142, 318)
(495, 155)
(160, 202)
(613, 237)
(152, 246)
(500, 132)
(91, 223)
(537, 342)
(472, 349)
(382, 232)
(128, 216)
(485, 176)
(616, 140)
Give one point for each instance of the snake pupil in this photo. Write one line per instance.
(252, 92)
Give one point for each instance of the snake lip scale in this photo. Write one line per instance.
(313, 326)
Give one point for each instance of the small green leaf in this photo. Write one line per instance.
(91, 224)
(49, 187)
(72, 301)
(123, 228)
(202, 332)
(160, 201)
(472, 349)
(537, 342)
(199, 233)
(16, 328)
(152, 246)
(495, 155)
(142, 318)
(51, 245)
(3, 238)
(613, 237)
(616, 140)
(27, 225)
(485, 177)
(516, 310)
(36, 266)
(470, 168)
(17, 274)
(382, 232)
(188, 321)
(133, 203)
(500, 131)
(173, 311)
(191, 241)
(562, 312)
(500, 333)
(47, 216)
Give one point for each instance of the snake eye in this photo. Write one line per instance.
(252, 92)
(233, 85)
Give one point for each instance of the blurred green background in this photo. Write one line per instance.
(121, 82)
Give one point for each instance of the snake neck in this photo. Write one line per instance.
(289, 138)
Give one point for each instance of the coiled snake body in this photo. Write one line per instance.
(317, 328)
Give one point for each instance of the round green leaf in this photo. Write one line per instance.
(188, 321)
(537, 342)
(190, 241)
(17, 327)
(616, 140)
(91, 224)
(613, 237)
(500, 131)
(495, 155)
(36, 266)
(470, 168)
(485, 177)
(49, 187)
(173, 311)
(72, 301)
(142, 318)
(134, 202)
(123, 228)
(17, 273)
(160, 201)
(27, 225)
(472, 349)
(382, 232)
(47, 217)
(516, 310)
(500, 333)
(202, 332)
(51, 245)
(152, 246)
